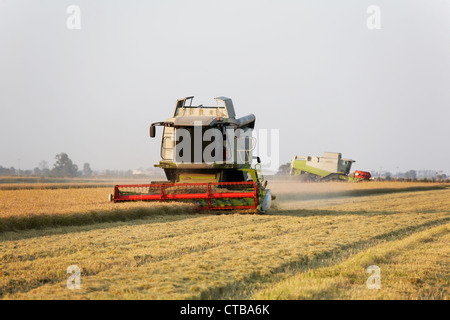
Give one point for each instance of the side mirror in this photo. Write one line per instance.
(258, 159)
(152, 131)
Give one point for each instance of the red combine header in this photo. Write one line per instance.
(210, 196)
(362, 175)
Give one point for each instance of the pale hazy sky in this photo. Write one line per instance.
(311, 69)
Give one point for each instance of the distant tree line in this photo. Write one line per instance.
(411, 175)
(65, 168)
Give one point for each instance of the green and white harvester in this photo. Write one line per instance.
(330, 167)
(206, 154)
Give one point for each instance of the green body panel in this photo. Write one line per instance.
(207, 171)
(193, 177)
(197, 178)
(171, 164)
(300, 166)
(165, 164)
(253, 174)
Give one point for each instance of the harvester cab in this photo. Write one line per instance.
(206, 155)
(206, 143)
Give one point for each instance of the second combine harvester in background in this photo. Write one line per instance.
(206, 154)
(330, 167)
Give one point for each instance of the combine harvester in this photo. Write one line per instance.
(330, 167)
(206, 155)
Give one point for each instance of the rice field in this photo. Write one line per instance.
(315, 243)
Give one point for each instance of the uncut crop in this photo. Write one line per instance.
(31, 209)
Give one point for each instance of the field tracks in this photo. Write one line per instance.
(249, 288)
(312, 248)
(415, 264)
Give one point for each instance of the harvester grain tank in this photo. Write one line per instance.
(206, 154)
(330, 167)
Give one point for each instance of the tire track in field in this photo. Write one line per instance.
(346, 278)
(135, 261)
(52, 258)
(244, 289)
(168, 230)
(274, 238)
